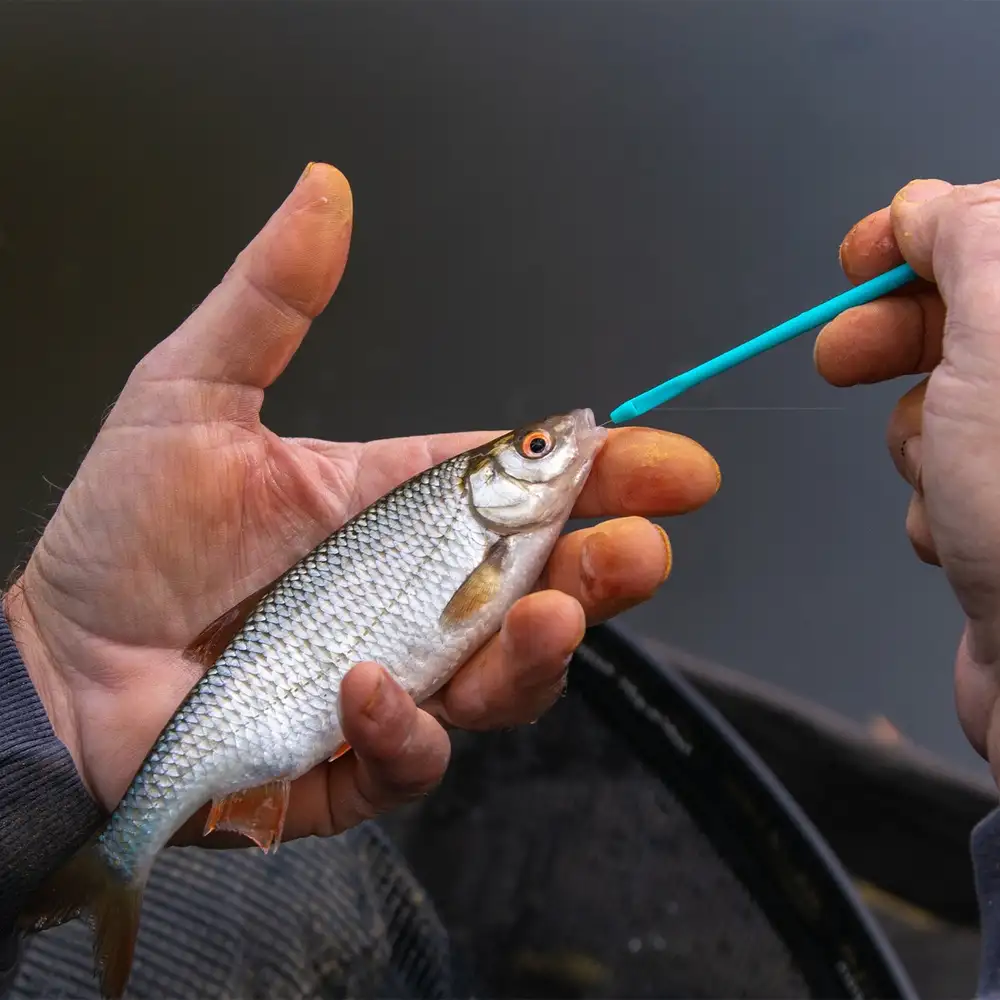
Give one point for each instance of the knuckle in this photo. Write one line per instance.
(970, 221)
(976, 198)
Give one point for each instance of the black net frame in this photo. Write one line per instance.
(748, 816)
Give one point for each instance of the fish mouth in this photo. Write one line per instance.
(586, 425)
(590, 437)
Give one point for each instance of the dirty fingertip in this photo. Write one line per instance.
(831, 356)
(324, 187)
(914, 221)
(542, 626)
(922, 190)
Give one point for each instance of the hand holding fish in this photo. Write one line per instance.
(944, 435)
(187, 510)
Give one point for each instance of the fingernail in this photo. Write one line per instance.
(588, 572)
(563, 683)
(305, 173)
(670, 551)
(376, 700)
(924, 190)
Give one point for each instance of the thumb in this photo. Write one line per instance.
(914, 214)
(250, 325)
(951, 236)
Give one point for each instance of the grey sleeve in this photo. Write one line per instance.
(45, 811)
(986, 865)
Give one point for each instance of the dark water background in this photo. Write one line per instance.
(558, 203)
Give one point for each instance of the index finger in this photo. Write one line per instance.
(896, 335)
(648, 472)
(870, 248)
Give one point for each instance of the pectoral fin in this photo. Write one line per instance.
(257, 813)
(207, 646)
(479, 588)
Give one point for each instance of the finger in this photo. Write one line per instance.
(399, 751)
(521, 672)
(639, 470)
(903, 435)
(595, 573)
(976, 695)
(648, 472)
(881, 340)
(247, 329)
(919, 532)
(610, 567)
(899, 334)
(883, 732)
(870, 248)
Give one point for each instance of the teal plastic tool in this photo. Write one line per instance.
(803, 323)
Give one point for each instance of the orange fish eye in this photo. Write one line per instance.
(536, 444)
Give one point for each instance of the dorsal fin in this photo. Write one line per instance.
(208, 644)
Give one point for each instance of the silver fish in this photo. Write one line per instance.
(417, 582)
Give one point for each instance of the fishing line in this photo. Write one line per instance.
(742, 409)
(666, 407)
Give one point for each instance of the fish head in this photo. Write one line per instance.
(531, 476)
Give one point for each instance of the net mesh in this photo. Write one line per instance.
(558, 867)
(563, 868)
(321, 918)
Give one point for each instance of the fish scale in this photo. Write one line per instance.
(276, 686)
(417, 582)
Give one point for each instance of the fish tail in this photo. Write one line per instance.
(87, 885)
(116, 927)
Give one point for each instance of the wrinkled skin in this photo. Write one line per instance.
(944, 435)
(186, 504)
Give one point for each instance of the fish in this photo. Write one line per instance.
(417, 582)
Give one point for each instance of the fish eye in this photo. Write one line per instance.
(536, 444)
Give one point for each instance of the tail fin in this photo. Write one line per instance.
(86, 885)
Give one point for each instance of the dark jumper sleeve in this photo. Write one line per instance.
(986, 865)
(45, 811)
